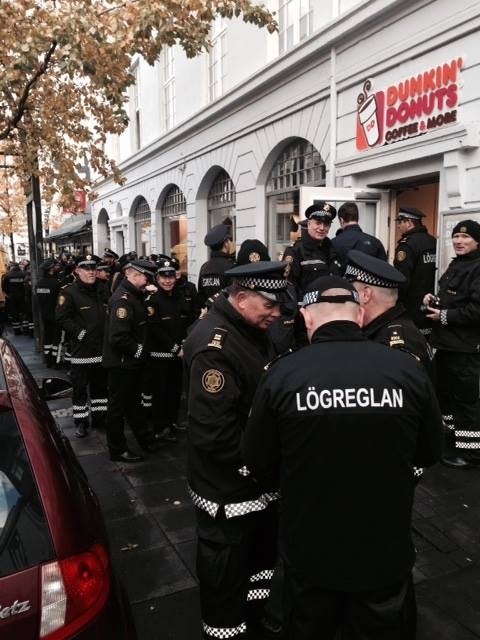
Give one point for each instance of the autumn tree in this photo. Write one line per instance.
(12, 205)
(65, 67)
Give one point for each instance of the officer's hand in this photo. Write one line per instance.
(433, 314)
(151, 288)
(180, 354)
(428, 298)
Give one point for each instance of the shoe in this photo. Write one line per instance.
(126, 456)
(151, 447)
(166, 435)
(456, 462)
(269, 628)
(81, 431)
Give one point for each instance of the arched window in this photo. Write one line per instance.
(143, 223)
(174, 221)
(299, 164)
(221, 202)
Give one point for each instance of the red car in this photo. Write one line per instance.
(56, 578)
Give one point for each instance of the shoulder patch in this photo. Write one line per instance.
(122, 313)
(61, 300)
(213, 381)
(218, 337)
(400, 256)
(150, 311)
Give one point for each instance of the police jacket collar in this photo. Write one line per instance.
(387, 316)
(342, 330)
(420, 229)
(219, 254)
(131, 288)
(473, 255)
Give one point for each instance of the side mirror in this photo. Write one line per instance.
(53, 388)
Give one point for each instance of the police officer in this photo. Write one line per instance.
(386, 319)
(13, 285)
(124, 356)
(211, 277)
(225, 353)
(111, 258)
(170, 313)
(415, 257)
(281, 333)
(337, 426)
(46, 291)
(313, 255)
(80, 313)
(352, 236)
(455, 314)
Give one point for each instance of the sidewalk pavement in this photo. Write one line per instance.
(150, 523)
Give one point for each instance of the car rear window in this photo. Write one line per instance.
(24, 535)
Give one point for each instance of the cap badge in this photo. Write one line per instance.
(213, 381)
(254, 257)
(463, 230)
(89, 257)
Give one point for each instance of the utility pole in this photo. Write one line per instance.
(34, 225)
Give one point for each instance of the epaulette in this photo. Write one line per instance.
(124, 296)
(270, 364)
(396, 338)
(218, 337)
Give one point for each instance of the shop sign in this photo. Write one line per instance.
(411, 107)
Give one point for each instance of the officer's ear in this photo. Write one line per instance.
(307, 317)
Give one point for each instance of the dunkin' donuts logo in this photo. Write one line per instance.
(412, 107)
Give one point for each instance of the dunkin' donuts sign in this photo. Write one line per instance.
(412, 107)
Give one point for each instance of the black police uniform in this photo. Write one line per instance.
(47, 289)
(309, 259)
(170, 313)
(211, 278)
(81, 312)
(28, 326)
(236, 550)
(415, 257)
(457, 358)
(337, 426)
(13, 285)
(124, 355)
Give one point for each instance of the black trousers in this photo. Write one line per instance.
(124, 401)
(383, 614)
(89, 397)
(457, 386)
(235, 562)
(166, 388)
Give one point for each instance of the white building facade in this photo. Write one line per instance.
(374, 101)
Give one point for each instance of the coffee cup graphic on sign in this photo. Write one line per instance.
(368, 115)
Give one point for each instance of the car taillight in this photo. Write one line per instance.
(73, 591)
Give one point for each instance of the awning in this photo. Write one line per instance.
(74, 225)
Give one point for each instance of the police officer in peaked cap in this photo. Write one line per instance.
(124, 356)
(415, 257)
(81, 312)
(386, 319)
(225, 354)
(211, 278)
(337, 427)
(313, 255)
